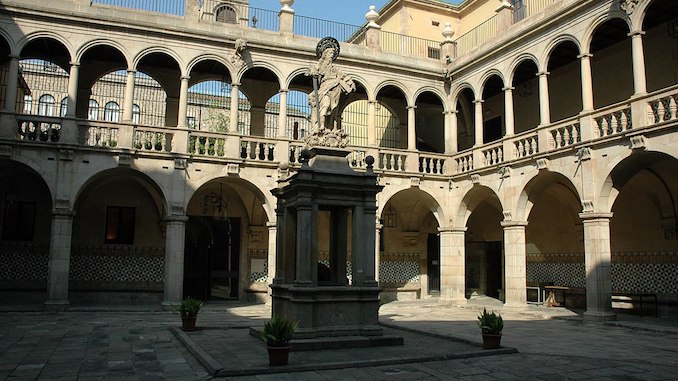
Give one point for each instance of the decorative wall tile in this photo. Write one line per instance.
(117, 268)
(399, 272)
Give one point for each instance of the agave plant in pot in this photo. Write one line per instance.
(491, 325)
(277, 334)
(189, 309)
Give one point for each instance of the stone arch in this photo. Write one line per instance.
(102, 42)
(488, 75)
(238, 76)
(28, 39)
(397, 85)
(159, 50)
(471, 199)
(209, 57)
(591, 29)
(553, 44)
(435, 91)
(457, 92)
(538, 184)
(249, 184)
(518, 61)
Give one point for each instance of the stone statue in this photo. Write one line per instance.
(237, 58)
(332, 83)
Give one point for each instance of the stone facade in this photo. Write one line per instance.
(542, 153)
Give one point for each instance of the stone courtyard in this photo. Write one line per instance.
(442, 342)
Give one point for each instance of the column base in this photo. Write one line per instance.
(57, 305)
(599, 316)
(515, 305)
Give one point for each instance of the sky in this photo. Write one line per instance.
(345, 11)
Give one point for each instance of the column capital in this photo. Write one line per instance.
(14, 57)
(74, 64)
(593, 216)
(271, 225)
(284, 90)
(543, 73)
(235, 84)
(411, 107)
(508, 88)
(131, 71)
(475, 101)
(372, 101)
(585, 55)
(449, 112)
(636, 33)
(513, 224)
(176, 218)
(185, 77)
(453, 229)
(63, 212)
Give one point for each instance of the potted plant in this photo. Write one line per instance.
(277, 334)
(189, 309)
(491, 325)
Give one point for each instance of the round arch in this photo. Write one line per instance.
(209, 57)
(26, 40)
(488, 76)
(105, 43)
(394, 84)
(591, 29)
(238, 77)
(457, 92)
(159, 50)
(517, 62)
(553, 44)
(432, 90)
(538, 184)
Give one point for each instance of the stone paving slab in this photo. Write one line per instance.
(247, 355)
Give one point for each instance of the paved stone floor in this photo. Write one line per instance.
(142, 343)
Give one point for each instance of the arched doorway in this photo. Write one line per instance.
(226, 246)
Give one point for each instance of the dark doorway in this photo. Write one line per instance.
(212, 258)
(433, 262)
(493, 265)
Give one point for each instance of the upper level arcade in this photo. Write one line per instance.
(190, 82)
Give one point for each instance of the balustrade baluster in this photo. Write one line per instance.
(558, 139)
(391, 162)
(660, 111)
(603, 127)
(614, 123)
(672, 108)
(533, 146)
(575, 133)
(500, 155)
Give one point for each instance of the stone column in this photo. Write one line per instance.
(12, 83)
(129, 97)
(544, 109)
(371, 123)
(364, 220)
(453, 264)
(72, 90)
(453, 132)
(59, 259)
(411, 128)
(183, 102)
(598, 266)
(180, 138)
(515, 268)
(304, 239)
(447, 135)
(272, 246)
(175, 233)
(286, 16)
(235, 90)
(282, 115)
(508, 111)
(586, 82)
(479, 122)
(377, 248)
(639, 80)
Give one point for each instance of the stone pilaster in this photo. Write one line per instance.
(598, 266)
(515, 267)
(175, 234)
(453, 265)
(59, 259)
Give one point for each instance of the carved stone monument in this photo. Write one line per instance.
(327, 198)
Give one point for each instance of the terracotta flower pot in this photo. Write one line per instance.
(188, 323)
(491, 340)
(278, 355)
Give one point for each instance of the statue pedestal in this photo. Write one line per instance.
(331, 311)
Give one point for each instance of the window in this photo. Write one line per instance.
(28, 104)
(46, 105)
(136, 114)
(93, 110)
(19, 221)
(112, 112)
(119, 225)
(190, 122)
(226, 14)
(64, 107)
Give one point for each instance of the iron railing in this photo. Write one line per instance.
(312, 27)
(408, 45)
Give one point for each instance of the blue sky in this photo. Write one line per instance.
(345, 11)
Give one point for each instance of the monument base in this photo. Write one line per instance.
(329, 311)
